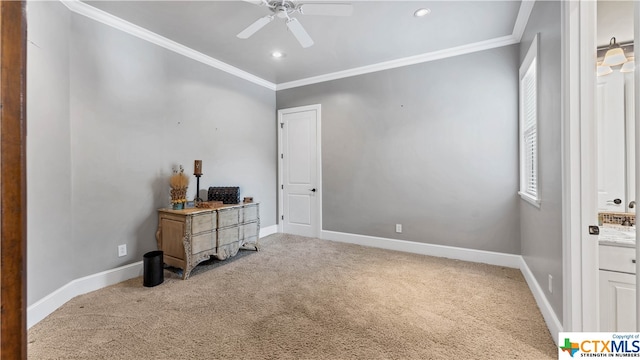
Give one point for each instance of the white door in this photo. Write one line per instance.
(611, 142)
(630, 138)
(580, 265)
(299, 170)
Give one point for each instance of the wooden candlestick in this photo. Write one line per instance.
(197, 171)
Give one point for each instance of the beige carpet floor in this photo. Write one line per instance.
(302, 298)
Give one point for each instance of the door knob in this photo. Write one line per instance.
(615, 201)
(312, 190)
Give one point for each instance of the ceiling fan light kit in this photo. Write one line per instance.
(284, 9)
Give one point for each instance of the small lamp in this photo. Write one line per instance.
(615, 54)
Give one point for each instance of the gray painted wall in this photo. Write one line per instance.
(124, 112)
(49, 242)
(432, 146)
(541, 228)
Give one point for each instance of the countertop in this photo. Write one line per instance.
(617, 235)
(203, 210)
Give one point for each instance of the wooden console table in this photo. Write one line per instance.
(188, 237)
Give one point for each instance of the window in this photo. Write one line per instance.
(529, 190)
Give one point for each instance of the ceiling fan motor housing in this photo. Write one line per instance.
(282, 8)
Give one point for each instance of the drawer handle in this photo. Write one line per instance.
(633, 261)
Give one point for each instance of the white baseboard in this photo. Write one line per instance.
(479, 256)
(553, 323)
(45, 306)
(48, 304)
(269, 230)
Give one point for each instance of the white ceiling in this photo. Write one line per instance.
(377, 32)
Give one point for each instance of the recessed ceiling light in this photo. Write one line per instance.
(421, 12)
(277, 54)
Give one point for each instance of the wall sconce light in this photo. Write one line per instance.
(629, 66)
(604, 70)
(615, 54)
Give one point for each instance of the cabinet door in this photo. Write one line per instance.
(617, 301)
(171, 238)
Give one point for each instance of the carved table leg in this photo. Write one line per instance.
(186, 244)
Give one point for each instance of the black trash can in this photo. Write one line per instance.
(153, 264)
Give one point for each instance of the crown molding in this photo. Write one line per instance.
(526, 7)
(79, 7)
(110, 20)
(411, 60)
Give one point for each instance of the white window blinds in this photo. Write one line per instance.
(529, 126)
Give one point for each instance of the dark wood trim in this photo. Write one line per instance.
(13, 190)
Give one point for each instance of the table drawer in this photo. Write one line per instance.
(617, 258)
(250, 232)
(228, 235)
(249, 213)
(203, 222)
(202, 242)
(228, 217)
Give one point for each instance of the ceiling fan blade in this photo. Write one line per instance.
(257, 25)
(258, 2)
(327, 9)
(299, 32)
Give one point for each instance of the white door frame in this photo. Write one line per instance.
(281, 112)
(579, 208)
(579, 175)
(636, 92)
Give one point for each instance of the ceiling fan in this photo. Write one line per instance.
(284, 9)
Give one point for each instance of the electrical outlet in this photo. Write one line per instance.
(122, 250)
(550, 283)
(398, 228)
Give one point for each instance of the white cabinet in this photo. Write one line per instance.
(617, 301)
(617, 289)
